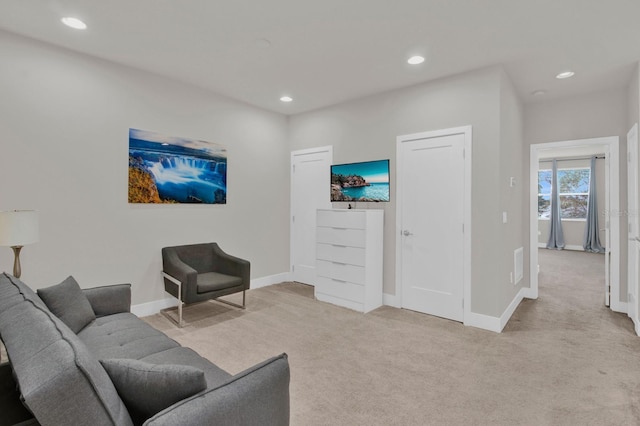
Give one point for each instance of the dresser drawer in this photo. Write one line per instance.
(340, 271)
(341, 219)
(341, 236)
(341, 289)
(342, 254)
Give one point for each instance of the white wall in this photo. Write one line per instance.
(633, 98)
(366, 129)
(587, 116)
(64, 121)
(514, 233)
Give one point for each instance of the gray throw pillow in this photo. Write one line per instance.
(67, 301)
(146, 389)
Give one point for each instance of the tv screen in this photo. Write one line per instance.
(366, 181)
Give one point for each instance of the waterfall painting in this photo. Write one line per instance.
(167, 169)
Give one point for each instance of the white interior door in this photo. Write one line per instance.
(310, 190)
(431, 179)
(633, 223)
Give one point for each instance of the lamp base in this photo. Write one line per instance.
(17, 271)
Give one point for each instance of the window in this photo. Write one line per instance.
(573, 186)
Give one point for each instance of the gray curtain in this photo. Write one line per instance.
(591, 232)
(556, 238)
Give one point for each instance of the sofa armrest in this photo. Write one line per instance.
(257, 396)
(109, 300)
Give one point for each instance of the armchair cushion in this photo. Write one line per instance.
(67, 301)
(147, 389)
(211, 281)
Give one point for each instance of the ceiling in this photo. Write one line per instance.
(324, 52)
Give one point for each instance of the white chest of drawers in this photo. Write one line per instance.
(349, 258)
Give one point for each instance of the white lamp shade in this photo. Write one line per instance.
(18, 227)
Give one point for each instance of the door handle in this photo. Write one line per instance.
(406, 233)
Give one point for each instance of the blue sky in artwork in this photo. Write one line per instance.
(371, 171)
(207, 147)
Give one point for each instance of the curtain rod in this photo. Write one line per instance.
(598, 157)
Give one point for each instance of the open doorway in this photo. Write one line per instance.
(574, 152)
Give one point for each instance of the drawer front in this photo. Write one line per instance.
(341, 289)
(341, 219)
(340, 271)
(341, 236)
(343, 254)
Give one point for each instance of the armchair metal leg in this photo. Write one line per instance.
(165, 312)
(235, 305)
(177, 282)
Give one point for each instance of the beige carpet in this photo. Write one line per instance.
(563, 359)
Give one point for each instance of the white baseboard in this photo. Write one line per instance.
(506, 315)
(391, 300)
(495, 324)
(485, 322)
(270, 280)
(471, 319)
(529, 293)
(619, 307)
(152, 308)
(567, 247)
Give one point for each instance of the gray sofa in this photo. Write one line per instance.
(66, 377)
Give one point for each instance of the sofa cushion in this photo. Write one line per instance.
(186, 356)
(124, 335)
(110, 299)
(58, 377)
(67, 302)
(147, 389)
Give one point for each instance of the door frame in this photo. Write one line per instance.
(294, 154)
(633, 269)
(613, 192)
(467, 155)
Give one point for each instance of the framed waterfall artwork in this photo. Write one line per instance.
(168, 169)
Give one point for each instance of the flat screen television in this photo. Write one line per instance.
(366, 181)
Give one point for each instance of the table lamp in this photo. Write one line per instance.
(17, 229)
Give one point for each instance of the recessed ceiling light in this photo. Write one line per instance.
(538, 92)
(286, 99)
(415, 60)
(565, 74)
(74, 23)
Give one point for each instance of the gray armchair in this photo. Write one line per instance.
(200, 272)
